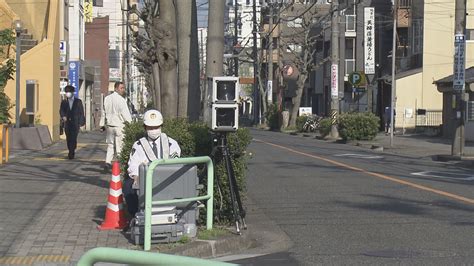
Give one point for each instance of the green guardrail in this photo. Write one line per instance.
(148, 192)
(136, 257)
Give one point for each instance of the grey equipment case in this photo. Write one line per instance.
(169, 223)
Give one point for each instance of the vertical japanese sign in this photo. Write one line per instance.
(270, 91)
(74, 67)
(334, 81)
(62, 52)
(459, 62)
(369, 40)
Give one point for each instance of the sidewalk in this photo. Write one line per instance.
(416, 146)
(51, 207)
(410, 145)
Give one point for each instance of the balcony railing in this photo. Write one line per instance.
(404, 3)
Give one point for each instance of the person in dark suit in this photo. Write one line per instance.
(72, 115)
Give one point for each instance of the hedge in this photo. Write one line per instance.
(358, 126)
(195, 139)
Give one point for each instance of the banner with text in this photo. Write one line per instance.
(334, 81)
(369, 40)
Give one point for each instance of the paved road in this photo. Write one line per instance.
(342, 205)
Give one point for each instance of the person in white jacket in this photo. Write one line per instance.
(113, 119)
(156, 145)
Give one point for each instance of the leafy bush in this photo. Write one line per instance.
(325, 127)
(195, 139)
(300, 121)
(273, 117)
(132, 132)
(7, 69)
(358, 126)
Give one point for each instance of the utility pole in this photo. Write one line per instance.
(270, 56)
(334, 68)
(214, 49)
(279, 66)
(394, 72)
(457, 148)
(236, 39)
(255, 65)
(127, 32)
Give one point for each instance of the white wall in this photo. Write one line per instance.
(76, 30)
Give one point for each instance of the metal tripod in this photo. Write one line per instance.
(238, 210)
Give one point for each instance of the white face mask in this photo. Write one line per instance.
(154, 133)
(69, 94)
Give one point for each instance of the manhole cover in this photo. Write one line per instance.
(392, 253)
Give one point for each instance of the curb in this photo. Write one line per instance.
(215, 248)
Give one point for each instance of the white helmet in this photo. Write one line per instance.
(152, 118)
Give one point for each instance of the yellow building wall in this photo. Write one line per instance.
(33, 15)
(41, 63)
(409, 94)
(470, 44)
(418, 91)
(438, 50)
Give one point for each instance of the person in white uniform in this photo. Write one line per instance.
(113, 119)
(156, 145)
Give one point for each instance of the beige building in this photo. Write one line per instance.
(39, 59)
(426, 47)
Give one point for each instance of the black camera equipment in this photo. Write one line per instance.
(220, 142)
(224, 105)
(225, 119)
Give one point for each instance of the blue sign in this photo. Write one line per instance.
(74, 68)
(459, 62)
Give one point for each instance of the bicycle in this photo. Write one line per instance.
(312, 123)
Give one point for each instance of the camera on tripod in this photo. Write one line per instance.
(224, 105)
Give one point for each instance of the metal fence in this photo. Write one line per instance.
(429, 118)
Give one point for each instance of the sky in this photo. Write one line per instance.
(202, 10)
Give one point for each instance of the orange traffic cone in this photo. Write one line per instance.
(114, 215)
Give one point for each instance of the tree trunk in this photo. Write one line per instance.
(156, 91)
(263, 100)
(183, 15)
(194, 93)
(215, 48)
(297, 99)
(167, 55)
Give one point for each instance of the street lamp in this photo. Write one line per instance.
(18, 29)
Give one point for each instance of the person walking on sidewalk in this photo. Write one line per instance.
(72, 115)
(387, 116)
(156, 145)
(113, 119)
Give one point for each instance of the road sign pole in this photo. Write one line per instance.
(457, 148)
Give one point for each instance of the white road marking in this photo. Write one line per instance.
(361, 156)
(237, 257)
(445, 175)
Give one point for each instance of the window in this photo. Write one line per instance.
(114, 58)
(469, 34)
(350, 48)
(418, 36)
(349, 54)
(470, 111)
(98, 3)
(293, 48)
(295, 23)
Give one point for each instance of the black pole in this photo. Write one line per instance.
(236, 40)
(255, 66)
